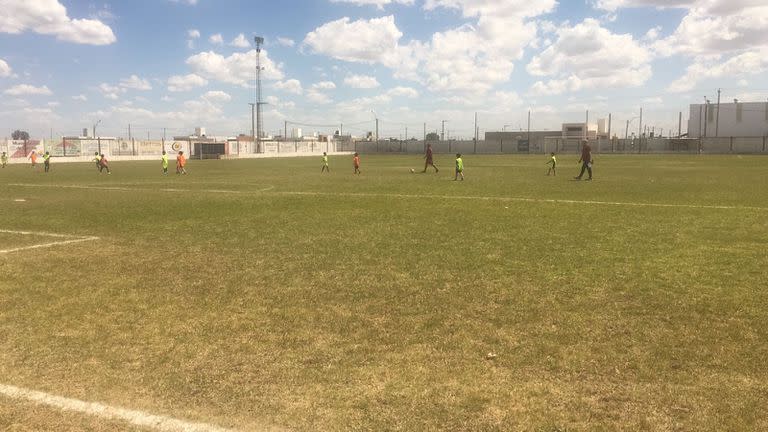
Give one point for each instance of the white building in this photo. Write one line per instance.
(736, 119)
(579, 130)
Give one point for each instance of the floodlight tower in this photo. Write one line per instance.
(259, 119)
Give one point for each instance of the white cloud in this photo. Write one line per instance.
(136, 83)
(53, 104)
(324, 85)
(5, 69)
(216, 39)
(188, 2)
(286, 42)
(240, 42)
(361, 82)
(588, 56)
(403, 91)
(26, 89)
(81, 98)
(193, 34)
(181, 83)
(50, 17)
(238, 68)
(485, 52)
(378, 3)
(748, 63)
(217, 96)
(289, 86)
(110, 91)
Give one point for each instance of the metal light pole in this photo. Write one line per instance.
(442, 132)
(94, 135)
(259, 120)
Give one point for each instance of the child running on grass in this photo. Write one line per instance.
(4, 159)
(164, 163)
(553, 161)
(325, 164)
(181, 162)
(356, 162)
(459, 168)
(47, 161)
(104, 164)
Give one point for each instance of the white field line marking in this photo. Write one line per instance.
(71, 239)
(520, 199)
(413, 196)
(129, 189)
(137, 418)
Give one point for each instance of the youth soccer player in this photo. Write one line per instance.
(104, 163)
(181, 162)
(164, 163)
(428, 159)
(325, 164)
(4, 159)
(459, 167)
(553, 161)
(33, 158)
(47, 161)
(97, 159)
(356, 162)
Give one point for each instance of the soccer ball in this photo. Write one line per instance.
(412, 171)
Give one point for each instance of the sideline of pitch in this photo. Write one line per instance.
(268, 191)
(136, 418)
(69, 240)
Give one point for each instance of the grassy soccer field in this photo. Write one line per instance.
(262, 295)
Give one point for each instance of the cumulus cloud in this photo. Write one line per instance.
(110, 91)
(135, 83)
(216, 39)
(752, 62)
(238, 68)
(378, 3)
(240, 42)
(50, 17)
(485, 51)
(361, 82)
(26, 89)
(5, 69)
(81, 98)
(589, 56)
(289, 86)
(286, 42)
(193, 34)
(217, 96)
(324, 85)
(181, 83)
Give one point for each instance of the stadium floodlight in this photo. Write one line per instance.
(259, 120)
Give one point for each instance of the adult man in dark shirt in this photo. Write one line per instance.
(586, 160)
(428, 159)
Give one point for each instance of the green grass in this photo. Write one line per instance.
(341, 302)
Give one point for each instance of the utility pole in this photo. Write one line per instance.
(586, 127)
(640, 126)
(163, 134)
(706, 115)
(701, 117)
(609, 125)
(129, 131)
(253, 125)
(626, 132)
(680, 125)
(442, 132)
(717, 119)
(529, 130)
(406, 133)
(341, 130)
(285, 130)
(377, 132)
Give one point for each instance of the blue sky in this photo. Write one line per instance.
(155, 64)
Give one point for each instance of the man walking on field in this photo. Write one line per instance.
(586, 160)
(428, 159)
